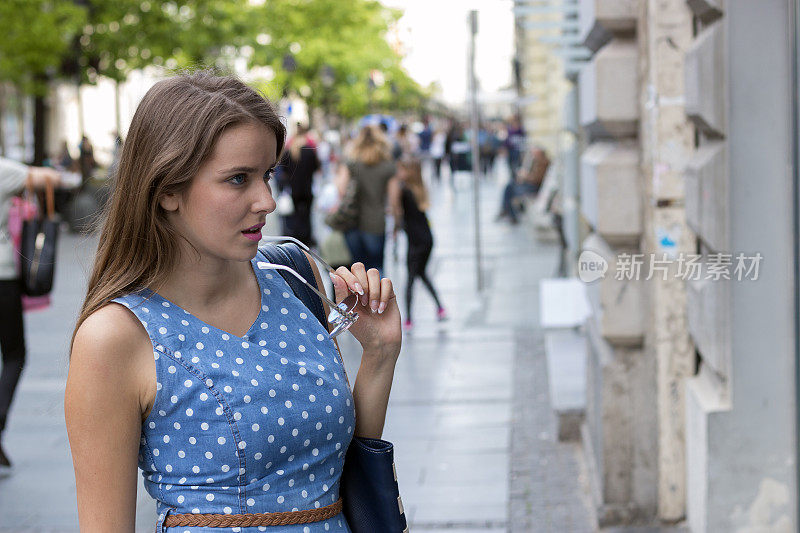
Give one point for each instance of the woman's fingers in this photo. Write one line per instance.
(350, 283)
(372, 291)
(361, 285)
(387, 293)
(374, 281)
(340, 288)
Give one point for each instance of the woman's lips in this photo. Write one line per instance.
(253, 232)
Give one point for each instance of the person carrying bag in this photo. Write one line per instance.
(13, 177)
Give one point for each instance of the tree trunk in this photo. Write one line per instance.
(81, 125)
(2, 114)
(20, 110)
(39, 129)
(117, 113)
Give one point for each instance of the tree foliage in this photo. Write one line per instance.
(36, 36)
(80, 40)
(346, 38)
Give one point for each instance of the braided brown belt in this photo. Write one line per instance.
(285, 518)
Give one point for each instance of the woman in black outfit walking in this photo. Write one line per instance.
(410, 201)
(298, 165)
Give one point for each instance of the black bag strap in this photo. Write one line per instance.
(289, 254)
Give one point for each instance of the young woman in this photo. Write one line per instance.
(410, 202)
(193, 363)
(371, 166)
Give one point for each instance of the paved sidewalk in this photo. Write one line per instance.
(469, 412)
(469, 415)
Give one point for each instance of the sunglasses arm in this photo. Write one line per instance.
(264, 265)
(282, 238)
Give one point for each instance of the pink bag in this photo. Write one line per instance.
(24, 209)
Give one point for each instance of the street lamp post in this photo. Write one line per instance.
(473, 92)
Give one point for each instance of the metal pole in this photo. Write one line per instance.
(571, 198)
(794, 10)
(473, 92)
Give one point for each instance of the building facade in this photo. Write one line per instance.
(688, 150)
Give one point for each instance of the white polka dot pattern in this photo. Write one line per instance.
(252, 424)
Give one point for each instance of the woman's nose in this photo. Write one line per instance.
(264, 200)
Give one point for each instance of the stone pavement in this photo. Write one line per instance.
(475, 439)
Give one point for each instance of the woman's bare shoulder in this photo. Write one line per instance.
(112, 354)
(110, 328)
(112, 342)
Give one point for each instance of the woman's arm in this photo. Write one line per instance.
(103, 410)
(380, 336)
(13, 176)
(341, 178)
(395, 199)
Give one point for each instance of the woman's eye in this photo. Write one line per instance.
(238, 179)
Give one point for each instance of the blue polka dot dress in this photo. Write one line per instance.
(252, 424)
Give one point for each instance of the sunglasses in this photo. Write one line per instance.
(342, 315)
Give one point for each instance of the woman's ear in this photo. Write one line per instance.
(169, 202)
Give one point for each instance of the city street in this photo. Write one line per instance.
(617, 345)
(469, 414)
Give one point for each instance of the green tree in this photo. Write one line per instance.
(346, 39)
(37, 35)
(79, 40)
(124, 35)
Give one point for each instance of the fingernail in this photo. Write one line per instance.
(382, 308)
(359, 290)
(373, 305)
(333, 276)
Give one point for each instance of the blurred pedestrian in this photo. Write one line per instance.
(13, 178)
(64, 161)
(395, 149)
(86, 159)
(437, 152)
(182, 334)
(407, 141)
(527, 182)
(459, 151)
(514, 144)
(298, 165)
(409, 203)
(425, 138)
(488, 145)
(371, 166)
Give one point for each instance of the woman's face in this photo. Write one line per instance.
(229, 195)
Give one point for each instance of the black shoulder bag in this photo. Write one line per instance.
(38, 247)
(369, 490)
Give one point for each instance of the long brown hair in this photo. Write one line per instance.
(370, 146)
(414, 182)
(172, 133)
